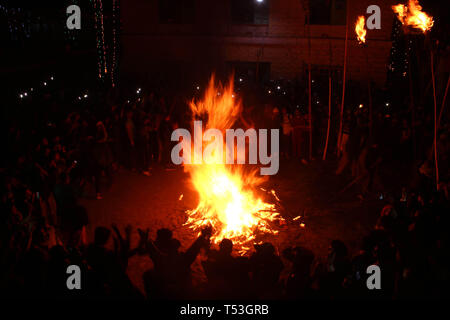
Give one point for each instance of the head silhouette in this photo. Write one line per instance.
(226, 246)
(163, 239)
(101, 236)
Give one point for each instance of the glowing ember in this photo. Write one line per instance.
(227, 200)
(412, 15)
(360, 29)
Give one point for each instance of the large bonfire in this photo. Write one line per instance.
(230, 197)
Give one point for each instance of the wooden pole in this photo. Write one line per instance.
(309, 111)
(412, 109)
(309, 91)
(443, 104)
(329, 118)
(329, 106)
(435, 119)
(369, 90)
(440, 114)
(343, 82)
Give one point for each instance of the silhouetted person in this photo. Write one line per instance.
(100, 259)
(171, 275)
(107, 275)
(266, 267)
(337, 268)
(228, 276)
(298, 284)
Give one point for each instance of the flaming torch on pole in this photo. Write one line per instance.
(360, 29)
(361, 32)
(412, 16)
(414, 19)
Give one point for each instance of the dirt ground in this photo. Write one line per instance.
(309, 191)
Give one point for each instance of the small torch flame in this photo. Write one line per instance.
(412, 15)
(360, 29)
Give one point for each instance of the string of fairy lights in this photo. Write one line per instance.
(400, 54)
(100, 38)
(106, 59)
(114, 40)
(106, 29)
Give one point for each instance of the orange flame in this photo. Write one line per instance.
(412, 15)
(360, 29)
(227, 198)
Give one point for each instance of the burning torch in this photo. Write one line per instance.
(414, 20)
(361, 32)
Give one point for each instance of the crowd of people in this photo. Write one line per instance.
(62, 152)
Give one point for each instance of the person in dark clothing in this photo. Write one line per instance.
(298, 284)
(100, 260)
(165, 131)
(130, 134)
(337, 268)
(74, 220)
(266, 267)
(171, 275)
(142, 151)
(153, 140)
(107, 275)
(348, 132)
(103, 158)
(228, 276)
(117, 137)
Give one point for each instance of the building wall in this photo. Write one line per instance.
(206, 44)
